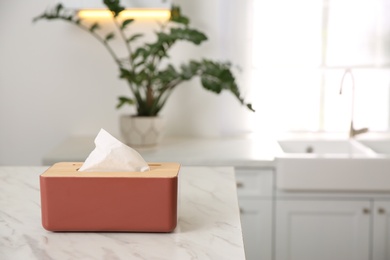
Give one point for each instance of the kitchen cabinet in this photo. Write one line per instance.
(255, 189)
(322, 230)
(256, 224)
(381, 230)
(332, 229)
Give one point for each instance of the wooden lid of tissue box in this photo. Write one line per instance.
(109, 201)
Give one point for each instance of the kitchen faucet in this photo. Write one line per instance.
(352, 131)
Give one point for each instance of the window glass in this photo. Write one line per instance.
(300, 52)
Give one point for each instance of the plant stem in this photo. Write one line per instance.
(153, 58)
(168, 88)
(117, 60)
(128, 47)
(130, 59)
(100, 39)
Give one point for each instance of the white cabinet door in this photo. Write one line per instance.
(381, 234)
(254, 182)
(322, 230)
(256, 223)
(255, 194)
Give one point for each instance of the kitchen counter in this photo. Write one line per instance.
(233, 151)
(208, 223)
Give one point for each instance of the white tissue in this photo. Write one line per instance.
(111, 155)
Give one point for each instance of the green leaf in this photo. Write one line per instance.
(217, 76)
(187, 34)
(94, 27)
(134, 37)
(125, 74)
(177, 17)
(249, 106)
(163, 37)
(114, 6)
(138, 64)
(166, 76)
(189, 71)
(211, 83)
(124, 101)
(39, 18)
(130, 76)
(126, 22)
(150, 67)
(140, 52)
(109, 36)
(54, 13)
(58, 8)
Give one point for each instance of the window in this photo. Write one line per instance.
(300, 52)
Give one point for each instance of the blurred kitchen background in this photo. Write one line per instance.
(57, 81)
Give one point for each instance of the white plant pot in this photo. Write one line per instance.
(142, 131)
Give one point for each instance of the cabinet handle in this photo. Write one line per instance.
(366, 211)
(381, 211)
(240, 185)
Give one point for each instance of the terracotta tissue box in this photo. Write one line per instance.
(109, 201)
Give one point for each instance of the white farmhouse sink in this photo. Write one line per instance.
(380, 146)
(326, 148)
(330, 165)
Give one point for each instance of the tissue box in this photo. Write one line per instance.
(109, 201)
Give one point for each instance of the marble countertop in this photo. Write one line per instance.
(238, 151)
(233, 151)
(208, 223)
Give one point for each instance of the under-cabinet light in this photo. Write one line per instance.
(162, 14)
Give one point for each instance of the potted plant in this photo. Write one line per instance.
(151, 79)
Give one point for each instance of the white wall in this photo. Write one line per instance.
(56, 81)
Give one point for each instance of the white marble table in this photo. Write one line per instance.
(208, 227)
